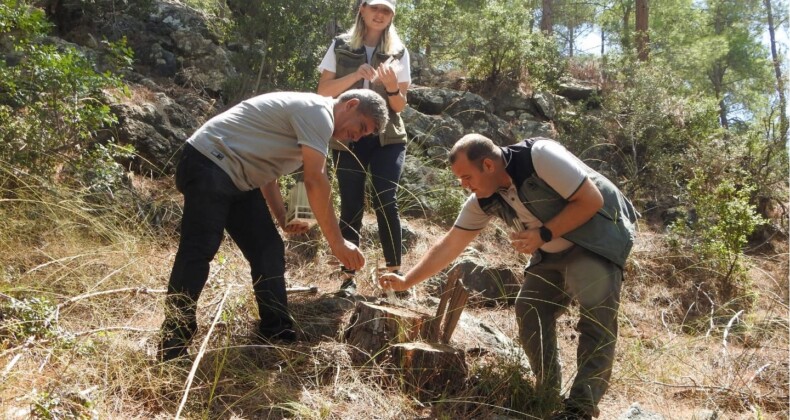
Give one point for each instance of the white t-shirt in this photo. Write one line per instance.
(329, 63)
(555, 165)
(259, 139)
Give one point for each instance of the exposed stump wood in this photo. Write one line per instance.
(430, 370)
(451, 304)
(374, 328)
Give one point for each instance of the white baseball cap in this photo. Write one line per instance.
(389, 3)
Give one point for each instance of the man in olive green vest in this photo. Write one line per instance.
(579, 229)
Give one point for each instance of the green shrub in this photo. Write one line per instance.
(715, 233)
(53, 96)
(499, 46)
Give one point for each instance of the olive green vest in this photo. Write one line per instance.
(348, 61)
(610, 233)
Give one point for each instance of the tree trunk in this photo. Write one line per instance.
(780, 84)
(642, 36)
(571, 40)
(625, 38)
(547, 18)
(374, 328)
(430, 370)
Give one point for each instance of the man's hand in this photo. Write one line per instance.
(296, 227)
(392, 281)
(526, 241)
(348, 254)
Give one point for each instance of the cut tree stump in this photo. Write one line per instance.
(374, 328)
(430, 370)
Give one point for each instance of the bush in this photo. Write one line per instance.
(54, 102)
(500, 47)
(647, 132)
(715, 233)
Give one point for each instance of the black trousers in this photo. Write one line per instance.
(213, 204)
(384, 165)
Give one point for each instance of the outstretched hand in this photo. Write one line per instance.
(393, 281)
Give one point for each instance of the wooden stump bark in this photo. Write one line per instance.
(374, 328)
(430, 370)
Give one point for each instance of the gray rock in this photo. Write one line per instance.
(485, 283)
(434, 133)
(545, 103)
(705, 414)
(512, 100)
(577, 90)
(636, 412)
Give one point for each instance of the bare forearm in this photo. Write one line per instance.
(274, 199)
(397, 102)
(581, 207)
(319, 197)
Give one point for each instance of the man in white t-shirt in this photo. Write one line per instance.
(228, 175)
(579, 228)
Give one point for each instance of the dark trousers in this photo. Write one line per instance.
(384, 164)
(212, 204)
(549, 286)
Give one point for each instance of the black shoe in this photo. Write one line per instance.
(571, 412)
(171, 349)
(283, 336)
(348, 288)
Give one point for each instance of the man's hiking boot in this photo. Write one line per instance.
(171, 349)
(571, 412)
(285, 336)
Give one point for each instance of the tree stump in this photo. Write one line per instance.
(430, 370)
(374, 328)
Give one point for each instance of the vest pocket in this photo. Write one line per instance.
(348, 59)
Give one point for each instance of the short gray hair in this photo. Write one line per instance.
(371, 104)
(476, 147)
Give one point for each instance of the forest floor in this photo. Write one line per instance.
(80, 312)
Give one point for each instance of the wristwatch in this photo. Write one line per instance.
(545, 234)
(396, 93)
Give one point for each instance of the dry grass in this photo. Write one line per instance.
(94, 355)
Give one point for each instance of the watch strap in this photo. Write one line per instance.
(545, 234)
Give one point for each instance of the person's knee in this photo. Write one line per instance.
(528, 317)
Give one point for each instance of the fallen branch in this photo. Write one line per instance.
(698, 387)
(135, 290)
(130, 329)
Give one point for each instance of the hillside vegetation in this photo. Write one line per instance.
(692, 125)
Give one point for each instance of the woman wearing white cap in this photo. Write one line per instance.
(370, 55)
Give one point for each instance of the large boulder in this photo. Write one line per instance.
(577, 90)
(472, 111)
(158, 127)
(513, 101)
(168, 38)
(435, 134)
(487, 284)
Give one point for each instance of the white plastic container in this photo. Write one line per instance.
(298, 205)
